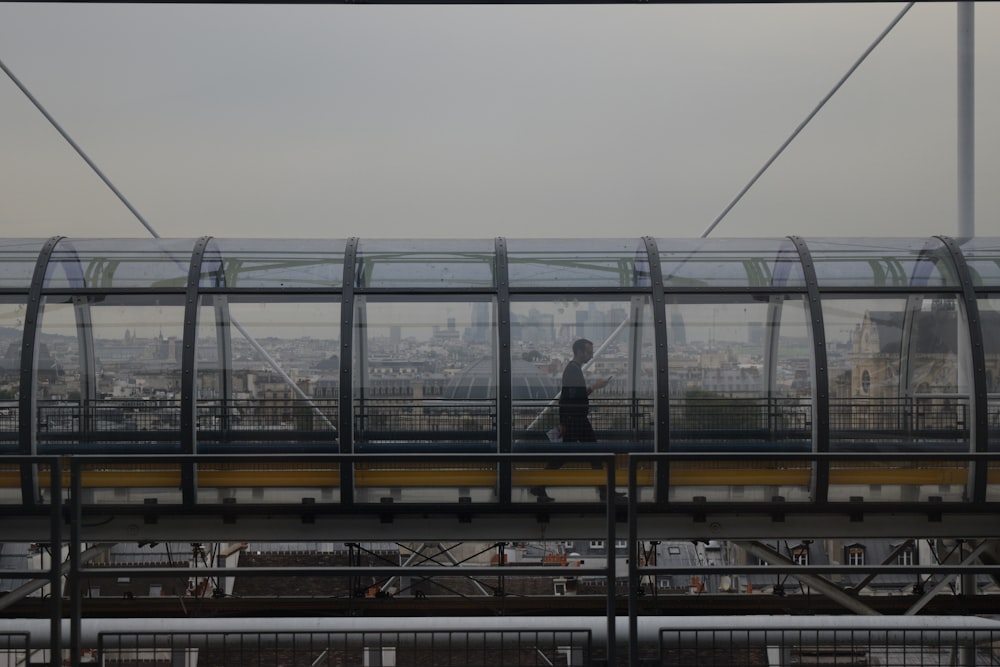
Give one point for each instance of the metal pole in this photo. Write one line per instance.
(611, 511)
(55, 573)
(966, 121)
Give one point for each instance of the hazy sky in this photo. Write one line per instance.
(481, 121)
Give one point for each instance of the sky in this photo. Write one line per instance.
(477, 121)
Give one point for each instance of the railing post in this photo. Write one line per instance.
(54, 574)
(73, 580)
(633, 562)
(610, 509)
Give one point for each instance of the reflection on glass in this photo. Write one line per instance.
(542, 335)
(282, 383)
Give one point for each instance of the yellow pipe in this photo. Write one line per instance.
(427, 477)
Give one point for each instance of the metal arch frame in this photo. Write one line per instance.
(345, 400)
(189, 405)
(223, 333)
(505, 411)
(661, 358)
(914, 301)
(821, 376)
(980, 408)
(27, 430)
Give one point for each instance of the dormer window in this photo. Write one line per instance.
(855, 554)
(907, 556)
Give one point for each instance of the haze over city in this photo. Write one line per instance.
(481, 121)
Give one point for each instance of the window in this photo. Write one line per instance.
(800, 555)
(620, 544)
(855, 555)
(597, 544)
(907, 556)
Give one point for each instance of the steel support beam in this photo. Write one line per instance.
(821, 585)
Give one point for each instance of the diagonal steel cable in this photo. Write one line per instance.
(802, 125)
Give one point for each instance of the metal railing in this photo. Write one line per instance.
(943, 417)
(501, 648)
(893, 645)
(921, 422)
(427, 420)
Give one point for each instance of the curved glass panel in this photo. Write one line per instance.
(989, 316)
(274, 263)
(568, 263)
(900, 381)
(119, 263)
(108, 372)
(18, 258)
(741, 379)
(982, 255)
(425, 263)
(882, 263)
(729, 358)
(729, 263)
